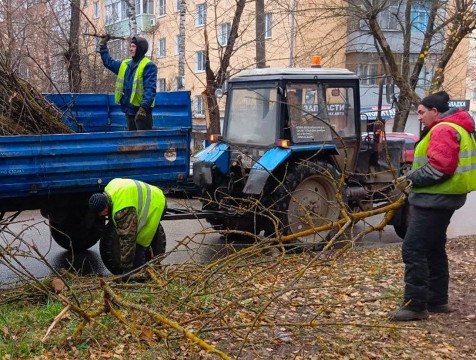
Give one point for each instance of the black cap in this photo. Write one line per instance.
(142, 47)
(98, 202)
(438, 100)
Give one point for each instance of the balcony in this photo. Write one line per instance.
(145, 23)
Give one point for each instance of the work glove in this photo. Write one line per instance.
(141, 115)
(403, 184)
(400, 186)
(104, 40)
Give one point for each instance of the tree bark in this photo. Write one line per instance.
(215, 81)
(131, 13)
(181, 40)
(260, 35)
(73, 57)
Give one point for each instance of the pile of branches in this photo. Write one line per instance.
(23, 110)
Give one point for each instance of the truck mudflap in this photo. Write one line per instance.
(274, 157)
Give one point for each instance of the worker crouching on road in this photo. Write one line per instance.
(443, 172)
(135, 209)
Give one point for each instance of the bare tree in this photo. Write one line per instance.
(426, 28)
(260, 42)
(131, 13)
(216, 79)
(72, 54)
(181, 46)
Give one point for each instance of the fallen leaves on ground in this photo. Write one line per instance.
(331, 305)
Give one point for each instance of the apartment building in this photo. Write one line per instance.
(294, 32)
(290, 39)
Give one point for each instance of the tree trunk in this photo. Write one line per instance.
(131, 13)
(181, 44)
(73, 58)
(403, 106)
(9, 48)
(260, 32)
(212, 111)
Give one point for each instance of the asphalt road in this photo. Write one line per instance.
(200, 248)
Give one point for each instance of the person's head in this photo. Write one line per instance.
(99, 204)
(432, 106)
(138, 48)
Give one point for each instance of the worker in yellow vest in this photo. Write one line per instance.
(444, 171)
(135, 208)
(136, 82)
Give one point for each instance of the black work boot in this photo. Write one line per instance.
(439, 309)
(403, 313)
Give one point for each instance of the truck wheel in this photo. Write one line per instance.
(77, 232)
(306, 199)
(110, 250)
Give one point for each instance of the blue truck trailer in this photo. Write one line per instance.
(57, 173)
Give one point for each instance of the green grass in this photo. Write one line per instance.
(22, 327)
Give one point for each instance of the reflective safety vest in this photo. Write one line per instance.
(147, 200)
(464, 178)
(137, 84)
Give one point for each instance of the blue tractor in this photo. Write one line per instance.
(294, 151)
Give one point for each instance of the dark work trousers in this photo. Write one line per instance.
(132, 124)
(143, 254)
(424, 255)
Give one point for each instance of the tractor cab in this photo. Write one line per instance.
(301, 109)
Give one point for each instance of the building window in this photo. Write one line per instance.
(427, 71)
(200, 61)
(113, 13)
(367, 73)
(86, 30)
(419, 18)
(199, 108)
(24, 71)
(161, 48)
(147, 6)
(161, 7)
(388, 17)
(474, 94)
(177, 44)
(224, 34)
(161, 85)
(124, 10)
(96, 10)
(268, 24)
(177, 5)
(96, 43)
(201, 14)
(85, 3)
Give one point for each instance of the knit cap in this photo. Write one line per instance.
(98, 202)
(437, 100)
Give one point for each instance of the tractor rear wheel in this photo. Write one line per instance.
(307, 199)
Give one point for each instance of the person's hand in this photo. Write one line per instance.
(141, 115)
(104, 40)
(402, 184)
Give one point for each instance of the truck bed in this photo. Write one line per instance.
(35, 167)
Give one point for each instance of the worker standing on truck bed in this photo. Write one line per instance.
(136, 209)
(136, 82)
